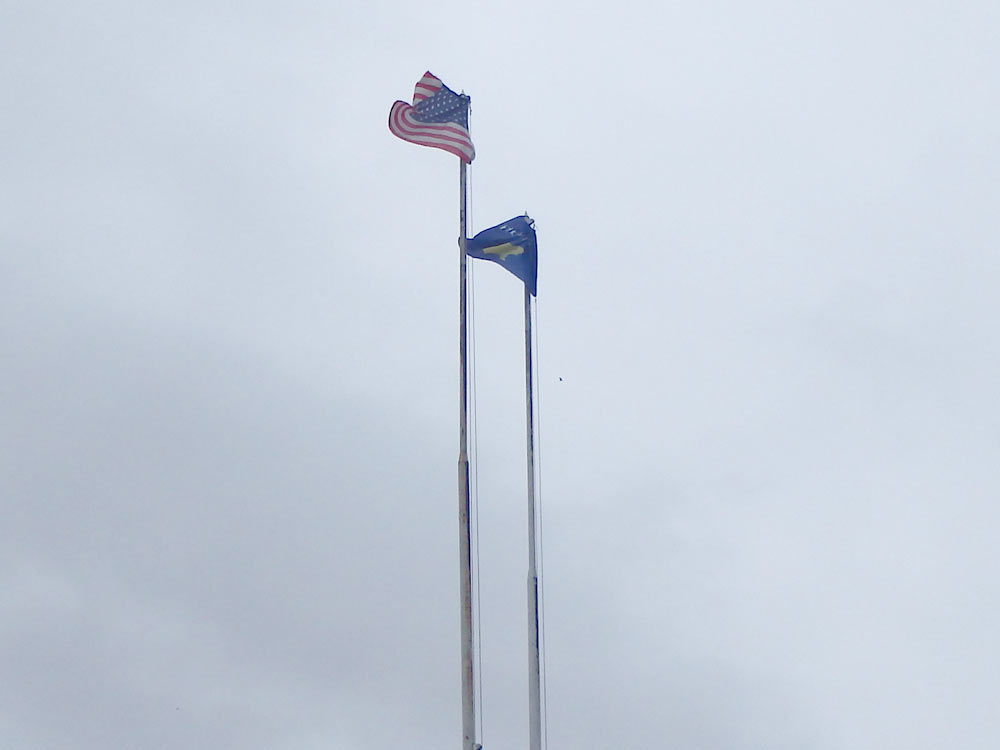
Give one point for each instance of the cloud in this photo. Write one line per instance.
(202, 550)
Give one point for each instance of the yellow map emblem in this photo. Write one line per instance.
(502, 251)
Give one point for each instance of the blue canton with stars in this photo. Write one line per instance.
(444, 106)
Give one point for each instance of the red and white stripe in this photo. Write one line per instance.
(426, 87)
(448, 136)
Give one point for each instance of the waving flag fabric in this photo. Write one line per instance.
(438, 118)
(513, 245)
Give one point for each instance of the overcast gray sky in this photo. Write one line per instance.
(768, 365)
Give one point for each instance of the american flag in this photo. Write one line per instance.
(438, 118)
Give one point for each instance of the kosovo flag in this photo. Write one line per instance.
(513, 245)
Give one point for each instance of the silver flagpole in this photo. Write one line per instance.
(534, 674)
(465, 531)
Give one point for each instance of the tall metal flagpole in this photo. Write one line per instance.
(534, 674)
(465, 531)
